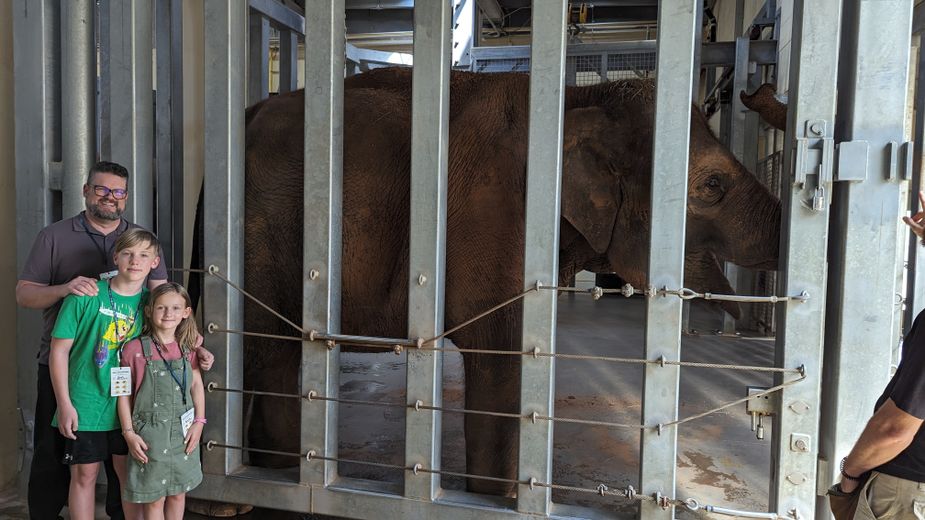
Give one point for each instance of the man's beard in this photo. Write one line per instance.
(98, 212)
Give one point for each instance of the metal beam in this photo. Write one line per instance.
(321, 280)
(430, 95)
(915, 271)
(675, 76)
(223, 241)
(258, 58)
(860, 329)
(281, 16)
(541, 260)
(288, 61)
(78, 115)
(812, 88)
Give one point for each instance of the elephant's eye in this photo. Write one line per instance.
(713, 182)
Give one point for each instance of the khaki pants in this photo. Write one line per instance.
(886, 497)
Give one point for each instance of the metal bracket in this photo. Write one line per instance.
(852, 161)
(814, 154)
(900, 156)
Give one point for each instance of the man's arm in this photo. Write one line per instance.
(886, 435)
(32, 295)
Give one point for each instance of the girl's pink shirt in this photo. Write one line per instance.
(134, 358)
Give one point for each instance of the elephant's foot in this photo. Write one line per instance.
(487, 487)
(216, 509)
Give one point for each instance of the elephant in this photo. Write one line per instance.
(604, 227)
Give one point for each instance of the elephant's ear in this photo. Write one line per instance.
(590, 194)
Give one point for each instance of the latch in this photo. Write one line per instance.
(758, 407)
(814, 156)
(854, 161)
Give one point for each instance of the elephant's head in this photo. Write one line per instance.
(606, 182)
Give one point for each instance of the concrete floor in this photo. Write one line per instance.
(719, 460)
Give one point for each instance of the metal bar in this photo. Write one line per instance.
(78, 115)
(541, 260)
(860, 328)
(812, 87)
(225, 28)
(169, 131)
(36, 87)
(282, 16)
(427, 250)
(915, 271)
(131, 105)
(258, 57)
(323, 163)
(288, 61)
(666, 248)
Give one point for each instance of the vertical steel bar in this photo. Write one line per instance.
(131, 108)
(915, 274)
(429, 147)
(169, 131)
(258, 57)
(224, 219)
(541, 260)
(78, 69)
(35, 55)
(288, 60)
(812, 86)
(325, 44)
(675, 75)
(874, 60)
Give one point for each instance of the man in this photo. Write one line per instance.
(890, 453)
(68, 257)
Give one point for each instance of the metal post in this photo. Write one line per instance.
(288, 60)
(874, 59)
(541, 261)
(675, 75)
(803, 249)
(430, 134)
(36, 96)
(224, 215)
(325, 43)
(169, 131)
(915, 273)
(258, 57)
(78, 115)
(131, 109)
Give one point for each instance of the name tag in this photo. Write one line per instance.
(120, 381)
(186, 420)
(108, 274)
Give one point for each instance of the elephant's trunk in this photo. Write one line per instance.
(754, 238)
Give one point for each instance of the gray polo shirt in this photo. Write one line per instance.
(67, 249)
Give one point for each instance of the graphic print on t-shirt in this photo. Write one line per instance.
(121, 326)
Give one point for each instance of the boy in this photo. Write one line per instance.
(85, 346)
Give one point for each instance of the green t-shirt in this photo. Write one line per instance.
(98, 334)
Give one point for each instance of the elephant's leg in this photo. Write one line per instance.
(274, 421)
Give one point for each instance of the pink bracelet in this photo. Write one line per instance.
(200, 420)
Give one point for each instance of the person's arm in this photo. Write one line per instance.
(917, 222)
(886, 435)
(197, 392)
(136, 445)
(32, 295)
(58, 366)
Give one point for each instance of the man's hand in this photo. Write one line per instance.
(917, 222)
(192, 437)
(81, 286)
(67, 421)
(848, 486)
(205, 358)
(137, 447)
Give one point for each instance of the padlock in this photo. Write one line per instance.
(819, 199)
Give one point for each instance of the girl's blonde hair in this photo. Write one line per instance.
(187, 331)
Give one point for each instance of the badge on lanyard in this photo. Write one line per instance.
(120, 381)
(186, 420)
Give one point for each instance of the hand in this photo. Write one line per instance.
(917, 222)
(192, 437)
(848, 486)
(206, 358)
(67, 421)
(137, 447)
(82, 286)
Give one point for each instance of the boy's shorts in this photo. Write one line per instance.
(90, 447)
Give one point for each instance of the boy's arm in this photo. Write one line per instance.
(197, 392)
(58, 366)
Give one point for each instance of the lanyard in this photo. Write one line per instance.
(120, 338)
(100, 248)
(182, 385)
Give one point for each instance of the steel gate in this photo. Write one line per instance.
(863, 177)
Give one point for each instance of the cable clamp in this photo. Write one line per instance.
(310, 454)
(602, 489)
(536, 351)
(692, 504)
(627, 290)
(211, 386)
(210, 445)
(330, 344)
(311, 335)
(397, 349)
(418, 404)
(417, 467)
(630, 493)
(213, 269)
(532, 483)
(533, 417)
(311, 395)
(596, 293)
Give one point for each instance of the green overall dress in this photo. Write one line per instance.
(156, 417)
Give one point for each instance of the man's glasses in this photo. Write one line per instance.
(103, 191)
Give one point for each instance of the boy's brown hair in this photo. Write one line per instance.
(137, 236)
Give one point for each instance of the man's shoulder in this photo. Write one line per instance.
(61, 227)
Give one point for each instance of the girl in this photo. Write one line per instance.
(163, 418)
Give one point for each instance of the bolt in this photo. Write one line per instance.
(816, 128)
(422, 279)
(313, 274)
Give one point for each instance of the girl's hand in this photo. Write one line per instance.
(67, 421)
(205, 358)
(137, 447)
(917, 222)
(193, 436)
